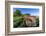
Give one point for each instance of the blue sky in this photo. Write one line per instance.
(31, 11)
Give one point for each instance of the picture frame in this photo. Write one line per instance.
(7, 18)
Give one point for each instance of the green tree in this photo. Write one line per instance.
(26, 15)
(37, 22)
(17, 13)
